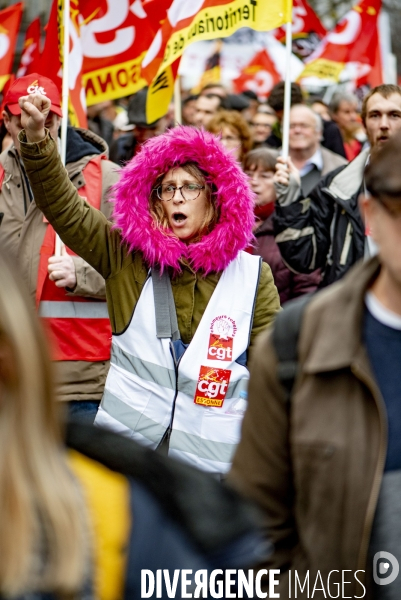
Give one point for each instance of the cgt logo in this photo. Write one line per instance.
(222, 332)
(385, 568)
(35, 88)
(212, 386)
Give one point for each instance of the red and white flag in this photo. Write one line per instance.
(350, 52)
(260, 75)
(307, 29)
(115, 38)
(10, 19)
(30, 57)
(52, 59)
(199, 20)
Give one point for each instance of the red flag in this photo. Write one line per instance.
(260, 75)
(156, 11)
(30, 56)
(10, 19)
(348, 52)
(114, 42)
(50, 63)
(52, 59)
(307, 29)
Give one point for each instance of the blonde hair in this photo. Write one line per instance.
(212, 214)
(43, 536)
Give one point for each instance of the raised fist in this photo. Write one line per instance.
(34, 111)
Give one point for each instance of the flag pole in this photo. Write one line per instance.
(64, 94)
(287, 90)
(177, 100)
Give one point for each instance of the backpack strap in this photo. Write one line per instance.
(166, 316)
(285, 340)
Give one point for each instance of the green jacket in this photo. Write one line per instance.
(88, 233)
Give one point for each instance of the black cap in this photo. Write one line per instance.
(137, 110)
(237, 102)
(249, 94)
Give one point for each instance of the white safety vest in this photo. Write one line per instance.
(200, 399)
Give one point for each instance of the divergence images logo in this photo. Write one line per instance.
(212, 386)
(222, 332)
(385, 568)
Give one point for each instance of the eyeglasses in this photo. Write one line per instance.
(188, 191)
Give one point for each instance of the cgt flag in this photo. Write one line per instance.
(189, 22)
(114, 43)
(307, 30)
(52, 59)
(350, 51)
(10, 19)
(260, 75)
(30, 57)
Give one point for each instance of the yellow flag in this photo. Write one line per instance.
(214, 19)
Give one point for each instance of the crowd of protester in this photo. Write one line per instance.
(158, 309)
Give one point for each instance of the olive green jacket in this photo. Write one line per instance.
(88, 233)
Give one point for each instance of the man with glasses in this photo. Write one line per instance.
(307, 154)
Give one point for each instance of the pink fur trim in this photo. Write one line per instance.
(232, 233)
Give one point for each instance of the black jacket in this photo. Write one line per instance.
(324, 230)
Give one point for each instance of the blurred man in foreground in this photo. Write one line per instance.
(321, 440)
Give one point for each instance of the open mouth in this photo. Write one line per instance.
(383, 138)
(179, 217)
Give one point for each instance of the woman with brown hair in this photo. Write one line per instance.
(173, 266)
(234, 132)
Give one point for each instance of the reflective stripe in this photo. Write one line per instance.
(188, 442)
(128, 416)
(165, 377)
(142, 368)
(73, 310)
(184, 442)
(293, 234)
(347, 244)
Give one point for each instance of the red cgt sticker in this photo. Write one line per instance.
(212, 386)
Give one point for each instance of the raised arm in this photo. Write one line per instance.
(81, 227)
(301, 225)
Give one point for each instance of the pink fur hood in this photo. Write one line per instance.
(232, 233)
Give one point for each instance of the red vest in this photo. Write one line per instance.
(79, 327)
